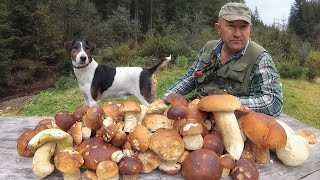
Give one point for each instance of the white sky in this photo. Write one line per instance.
(271, 10)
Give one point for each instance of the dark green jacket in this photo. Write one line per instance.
(231, 78)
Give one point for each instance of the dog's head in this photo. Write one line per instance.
(80, 51)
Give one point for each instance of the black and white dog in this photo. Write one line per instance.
(99, 81)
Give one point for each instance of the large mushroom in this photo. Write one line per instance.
(202, 164)
(22, 143)
(140, 138)
(265, 133)
(64, 120)
(95, 150)
(62, 138)
(107, 170)
(130, 110)
(223, 107)
(130, 167)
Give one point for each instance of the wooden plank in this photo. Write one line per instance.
(15, 167)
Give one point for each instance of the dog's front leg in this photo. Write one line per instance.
(89, 100)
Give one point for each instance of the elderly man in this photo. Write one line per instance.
(234, 64)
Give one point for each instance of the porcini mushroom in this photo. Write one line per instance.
(191, 132)
(62, 138)
(130, 110)
(107, 170)
(265, 133)
(68, 161)
(149, 160)
(157, 121)
(223, 107)
(130, 167)
(140, 138)
(245, 169)
(22, 143)
(202, 164)
(64, 120)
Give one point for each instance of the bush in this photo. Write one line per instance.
(290, 70)
(121, 55)
(65, 82)
(313, 65)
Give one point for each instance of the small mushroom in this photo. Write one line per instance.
(149, 160)
(64, 120)
(41, 165)
(223, 107)
(130, 167)
(80, 112)
(111, 109)
(140, 138)
(94, 118)
(68, 161)
(213, 142)
(157, 107)
(130, 110)
(191, 132)
(107, 170)
(22, 143)
(167, 144)
(245, 169)
(228, 162)
(177, 99)
(157, 121)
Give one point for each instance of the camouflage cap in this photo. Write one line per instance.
(235, 11)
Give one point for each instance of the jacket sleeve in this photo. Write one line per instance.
(264, 87)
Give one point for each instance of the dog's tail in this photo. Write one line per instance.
(160, 64)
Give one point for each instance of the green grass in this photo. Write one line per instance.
(301, 98)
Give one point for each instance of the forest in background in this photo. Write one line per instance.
(138, 33)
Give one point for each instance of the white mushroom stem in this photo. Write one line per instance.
(86, 132)
(41, 165)
(117, 156)
(230, 133)
(193, 142)
(72, 176)
(130, 121)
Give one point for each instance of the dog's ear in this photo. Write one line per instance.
(68, 45)
(91, 45)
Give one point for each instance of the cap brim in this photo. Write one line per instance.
(236, 17)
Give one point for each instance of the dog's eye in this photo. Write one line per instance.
(74, 48)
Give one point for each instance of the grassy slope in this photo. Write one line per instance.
(301, 98)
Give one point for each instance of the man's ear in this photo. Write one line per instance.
(68, 45)
(217, 27)
(91, 45)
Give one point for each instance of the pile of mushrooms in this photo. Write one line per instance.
(208, 138)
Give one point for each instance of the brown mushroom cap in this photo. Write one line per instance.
(119, 139)
(76, 132)
(94, 118)
(245, 169)
(177, 99)
(264, 130)
(130, 165)
(107, 169)
(195, 113)
(167, 144)
(213, 142)
(68, 160)
(95, 150)
(111, 109)
(64, 120)
(156, 121)
(222, 102)
(50, 123)
(149, 160)
(227, 161)
(22, 143)
(191, 127)
(140, 138)
(176, 112)
(202, 164)
(129, 106)
(80, 112)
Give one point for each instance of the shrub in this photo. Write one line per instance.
(65, 82)
(121, 55)
(290, 70)
(313, 65)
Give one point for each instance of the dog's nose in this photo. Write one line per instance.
(83, 58)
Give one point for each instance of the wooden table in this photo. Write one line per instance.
(15, 167)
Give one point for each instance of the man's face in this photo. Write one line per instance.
(235, 34)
